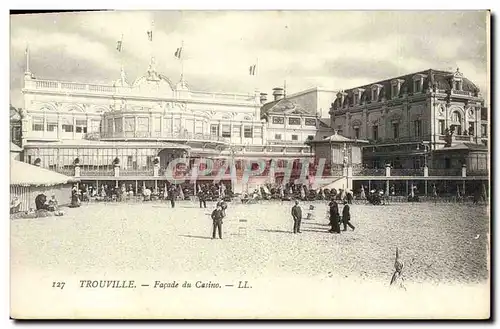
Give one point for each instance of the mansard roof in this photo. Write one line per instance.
(441, 79)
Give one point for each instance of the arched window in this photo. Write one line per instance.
(456, 117)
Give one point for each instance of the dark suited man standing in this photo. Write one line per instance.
(217, 217)
(172, 195)
(297, 217)
(202, 196)
(346, 217)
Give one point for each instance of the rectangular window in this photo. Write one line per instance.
(442, 127)
(417, 126)
(81, 126)
(471, 128)
(198, 127)
(355, 98)
(95, 126)
(374, 95)
(226, 131)
(395, 129)
(277, 136)
(394, 92)
(294, 121)
(177, 125)
(248, 132)
(310, 122)
(295, 137)
(457, 85)
(484, 130)
(375, 132)
(67, 128)
(236, 131)
(416, 86)
(278, 120)
(214, 130)
(356, 132)
(167, 124)
(37, 124)
(129, 125)
(257, 132)
(51, 124)
(143, 124)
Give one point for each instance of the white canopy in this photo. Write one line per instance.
(24, 174)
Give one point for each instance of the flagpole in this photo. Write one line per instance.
(182, 60)
(256, 73)
(121, 51)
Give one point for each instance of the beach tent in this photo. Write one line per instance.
(27, 181)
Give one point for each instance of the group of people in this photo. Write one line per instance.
(333, 213)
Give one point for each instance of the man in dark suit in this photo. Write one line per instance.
(346, 217)
(172, 195)
(202, 196)
(217, 217)
(334, 217)
(297, 217)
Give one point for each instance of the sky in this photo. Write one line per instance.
(328, 49)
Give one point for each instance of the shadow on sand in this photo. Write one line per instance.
(275, 231)
(196, 236)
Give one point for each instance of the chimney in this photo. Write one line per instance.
(263, 98)
(278, 93)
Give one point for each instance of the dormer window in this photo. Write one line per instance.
(396, 87)
(357, 96)
(375, 92)
(418, 83)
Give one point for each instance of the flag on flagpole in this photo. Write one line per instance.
(119, 45)
(178, 53)
(252, 69)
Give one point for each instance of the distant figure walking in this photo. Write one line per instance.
(202, 196)
(217, 217)
(346, 217)
(334, 217)
(397, 278)
(297, 217)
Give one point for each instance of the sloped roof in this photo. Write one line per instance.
(336, 138)
(325, 123)
(282, 106)
(24, 174)
(15, 148)
(464, 147)
(433, 77)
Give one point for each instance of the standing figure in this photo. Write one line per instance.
(217, 217)
(297, 217)
(346, 217)
(223, 205)
(202, 196)
(334, 217)
(172, 195)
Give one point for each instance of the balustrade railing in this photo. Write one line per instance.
(136, 172)
(445, 172)
(407, 172)
(157, 134)
(96, 172)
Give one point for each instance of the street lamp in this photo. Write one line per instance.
(426, 148)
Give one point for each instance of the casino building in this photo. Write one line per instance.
(130, 131)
